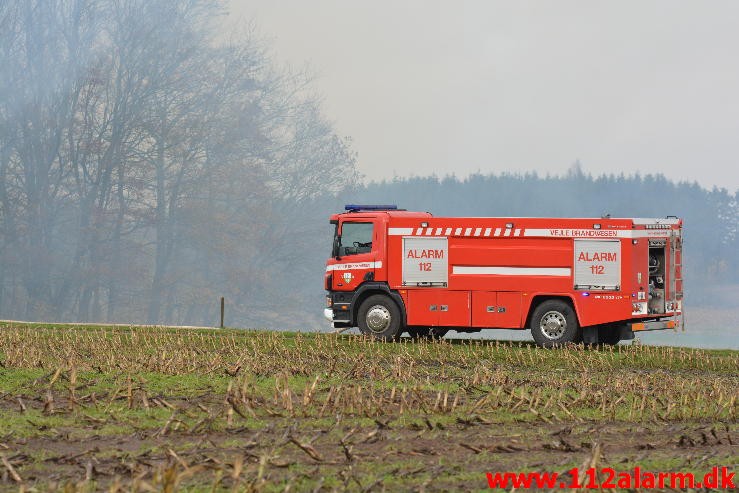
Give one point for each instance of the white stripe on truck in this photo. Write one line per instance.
(355, 266)
(512, 271)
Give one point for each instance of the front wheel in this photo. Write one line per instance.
(554, 323)
(379, 317)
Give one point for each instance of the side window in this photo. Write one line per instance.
(355, 238)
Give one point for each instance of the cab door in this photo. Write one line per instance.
(355, 253)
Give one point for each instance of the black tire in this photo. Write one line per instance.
(554, 323)
(609, 335)
(380, 317)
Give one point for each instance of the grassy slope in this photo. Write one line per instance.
(266, 410)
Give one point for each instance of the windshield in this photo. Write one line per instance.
(355, 238)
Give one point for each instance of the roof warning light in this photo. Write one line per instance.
(356, 207)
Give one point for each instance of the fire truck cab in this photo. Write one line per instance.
(567, 280)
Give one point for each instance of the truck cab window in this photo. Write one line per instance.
(355, 238)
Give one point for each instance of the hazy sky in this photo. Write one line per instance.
(459, 86)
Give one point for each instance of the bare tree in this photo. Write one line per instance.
(144, 162)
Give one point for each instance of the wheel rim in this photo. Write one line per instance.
(553, 325)
(378, 318)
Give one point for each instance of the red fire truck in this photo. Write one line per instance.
(565, 279)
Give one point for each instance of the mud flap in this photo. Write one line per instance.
(626, 333)
(590, 335)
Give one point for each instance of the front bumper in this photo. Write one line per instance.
(340, 307)
(337, 322)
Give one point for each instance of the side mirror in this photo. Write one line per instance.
(337, 247)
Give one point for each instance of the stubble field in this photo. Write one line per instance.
(164, 409)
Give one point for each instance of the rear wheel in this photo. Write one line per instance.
(379, 317)
(554, 323)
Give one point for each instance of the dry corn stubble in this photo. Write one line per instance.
(272, 377)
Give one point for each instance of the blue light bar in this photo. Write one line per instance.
(356, 207)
